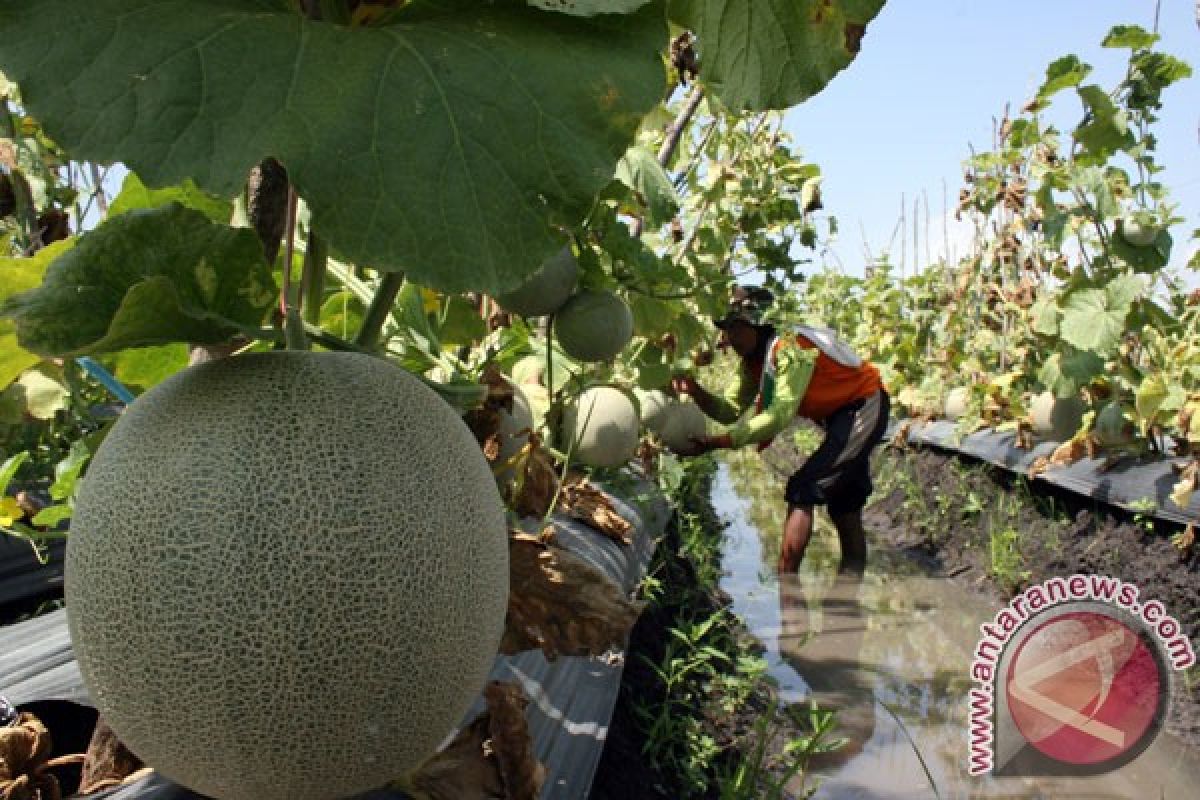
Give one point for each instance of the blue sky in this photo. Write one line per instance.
(931, 77)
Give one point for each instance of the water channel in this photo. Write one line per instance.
(890, 652)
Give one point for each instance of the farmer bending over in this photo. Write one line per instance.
(809, 373)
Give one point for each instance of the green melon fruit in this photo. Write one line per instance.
(593, 326)
(956, 403)
(1056, 418)
(1112, 427)
(514, 430)
(1140, 230)
(685, 421)
(548, 288)
(654, 406)
(287, 575)
(603, 424)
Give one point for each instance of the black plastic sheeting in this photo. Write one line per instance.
(571, 699)
(22, 576)
(1129, 484)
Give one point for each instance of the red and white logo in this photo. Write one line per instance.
(1083, 688)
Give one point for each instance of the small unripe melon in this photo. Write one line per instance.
(603, 424)
(956, 403)
(594, 326)
(287, 575)
(685, 421)
(1056, 418)
(548, 288)
(1112, 427)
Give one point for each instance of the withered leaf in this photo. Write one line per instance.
(584, 502)
(511, 744)
(561, 604)
(537, 481)
(490, 758)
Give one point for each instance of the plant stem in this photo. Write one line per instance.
(379, 310)
(312, 279)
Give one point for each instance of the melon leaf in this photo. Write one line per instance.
(146, 278)
(762, 54)
(135, 194)
(393, 135)
(20, 275)
(640, 171)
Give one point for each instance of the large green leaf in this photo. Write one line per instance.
(20, 275)
(639, 170)
(1133, 37)
(1105, 129)
(446, 144)
(1066, 373)
(1094, 319)
(760, 54)
(1062, 74)
(134, 194)
(146, 278)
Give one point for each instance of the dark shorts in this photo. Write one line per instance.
(838, 473)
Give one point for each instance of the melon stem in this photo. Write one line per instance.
(379, 310)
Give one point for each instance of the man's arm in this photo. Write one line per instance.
(725, 407)
(793, 370)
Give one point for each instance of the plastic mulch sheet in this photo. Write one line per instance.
(1128, 484)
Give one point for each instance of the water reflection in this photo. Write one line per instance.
(889, 650)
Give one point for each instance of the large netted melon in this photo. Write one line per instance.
(602, 423)
(594, 326)
(287, 575)
(548, 288)
(1056, 418)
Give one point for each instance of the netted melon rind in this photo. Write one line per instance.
(287, 575)
(603, 423)
(594, 326)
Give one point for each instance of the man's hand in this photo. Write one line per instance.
(685, 384)
(706, 444)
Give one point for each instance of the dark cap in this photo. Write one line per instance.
(746, 304)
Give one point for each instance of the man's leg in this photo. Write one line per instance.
(853, 539)
(797, 530)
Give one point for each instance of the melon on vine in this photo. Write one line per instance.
(956, 403)
(548, 288)
(602, 425)
(1112, 427)
(593, 326)
(684, 422)
(287, 575)
(515, 427)
(1056, 418)
(654, 406)
(1140, 229)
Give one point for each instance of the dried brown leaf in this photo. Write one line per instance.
(24, 752)
(108, 762)
(537, 480)
(1185, 541)
(462, 771)
(511, 744)
(562, 605)
(584, 502)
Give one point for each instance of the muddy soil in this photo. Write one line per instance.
(997, 533)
